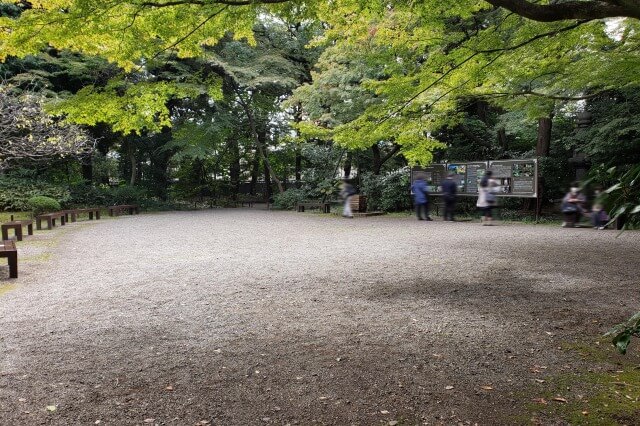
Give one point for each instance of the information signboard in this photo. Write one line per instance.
(433, 174)
(516, 178)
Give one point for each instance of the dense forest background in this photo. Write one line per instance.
(202, 103)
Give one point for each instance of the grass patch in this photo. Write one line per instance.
(607, 394)
(6, 288)
(6, 216)
(42, 257)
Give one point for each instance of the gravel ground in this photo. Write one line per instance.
(249, 317)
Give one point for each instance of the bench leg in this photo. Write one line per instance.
(73, 217)
(5, 234)
(13, 265)
(90, 215)
(97, 214)
(62, 221)
(51, 222)
(30, 229)
(39, 224)
(18, 232)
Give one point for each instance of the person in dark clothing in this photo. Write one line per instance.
(420, 197)
(449, 190)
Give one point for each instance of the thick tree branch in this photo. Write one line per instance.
(543, 95)
(210, 2)
(571, 9)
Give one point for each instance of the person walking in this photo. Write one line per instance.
(449, 191)
(347, 191)
(420, 197)
(573, 206)
(487, 197)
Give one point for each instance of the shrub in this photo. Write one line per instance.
(16, 192)
(41, 204)
(128, 195)
(388, 192)
(289, 198)
(89, 196)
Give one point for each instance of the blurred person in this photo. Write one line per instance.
(487, 197)
(599, 216)
(449, 191)
(420, 197)
(346, 192)
(572, 206)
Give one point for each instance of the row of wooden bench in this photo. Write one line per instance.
(8, 247)
(324, 206)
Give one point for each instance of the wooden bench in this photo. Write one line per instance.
(73, 214)
(128, 208)
(8, 250)
(249, 201)
(51, 220)
(16, 225)
(325, 206)
(91, 211)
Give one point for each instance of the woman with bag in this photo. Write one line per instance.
(487, 197)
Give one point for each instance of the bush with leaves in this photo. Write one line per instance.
(622, 333)
(83, 195)
(128, 195)
(623, 198)
(15, 193)
(289, 198)
(41, 204)
(388, 192)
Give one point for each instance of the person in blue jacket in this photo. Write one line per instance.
(449, 190)
(420, 197)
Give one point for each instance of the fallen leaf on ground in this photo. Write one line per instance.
(51, 408)
(448, 387)
(540, 401)
(149, 420)
(539, 380)
(169, 388)
(384, 412)
(487, 388)
(22, 399)
(560, 399)
(584, 413)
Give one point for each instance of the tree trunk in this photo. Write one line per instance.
(377, 162)
(298, 168)
(542, 150)
(87, 169)
(255, 170)
(482, 111)
(347, 165)
(133, 163)
(256, 137)
(297, 118)
(544, 136)
(502, 139)
(234, 169)
(267, 183)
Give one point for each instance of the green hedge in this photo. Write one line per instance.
(41, 204)
(15, 193)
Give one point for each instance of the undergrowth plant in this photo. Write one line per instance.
(622, 333)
